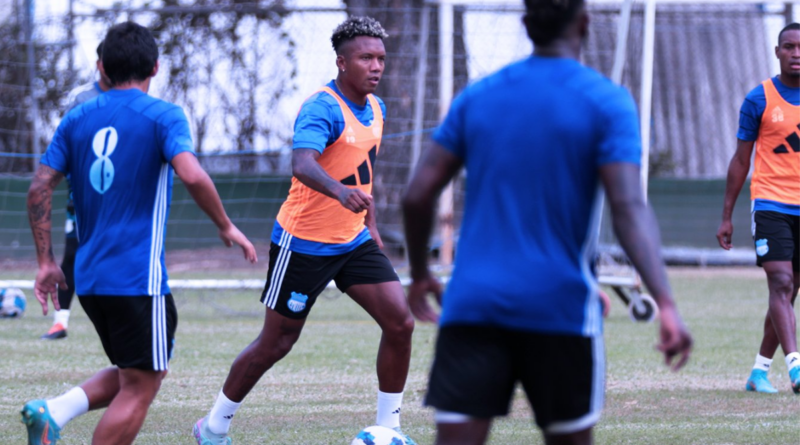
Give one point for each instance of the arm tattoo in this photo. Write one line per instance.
(40, 203)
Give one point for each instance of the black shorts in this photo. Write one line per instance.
(295, 280)
(777, 237)
(136, 332)
(476, 369)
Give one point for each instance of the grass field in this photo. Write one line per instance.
(323, 392)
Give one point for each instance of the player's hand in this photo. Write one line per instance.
(724, 234)
(675, 342)
(418, 300)
(49, 278)
(355, 200)
(231, 235)
(376, 236)
(606, 302)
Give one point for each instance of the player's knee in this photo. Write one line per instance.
(272, 350)
(400, 329)
(283, 346)
(782, 283)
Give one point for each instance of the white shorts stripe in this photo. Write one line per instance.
(164, 345)
(450, 417)
(159, 346)
(270, 290)
(281, 264)
(597, 398)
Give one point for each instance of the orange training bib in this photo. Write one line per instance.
(776, 174)
(312, 216)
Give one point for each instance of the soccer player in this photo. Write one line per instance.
(326, 230)
(769, 122)
(537, 139)
(76, 97)
(119, 150)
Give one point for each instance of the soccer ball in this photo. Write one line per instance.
(378, 435)
(12, 303)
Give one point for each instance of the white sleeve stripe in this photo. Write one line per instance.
(592, 324)
(157, 234)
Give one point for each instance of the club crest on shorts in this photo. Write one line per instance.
(761, 247)
(298, 302)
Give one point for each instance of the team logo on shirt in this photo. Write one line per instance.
(761, 247)
(777, 114)
(298, 302)
(793, 141)
(364, 171)
(350, 136)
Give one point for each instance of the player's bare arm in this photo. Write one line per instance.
(636, 228)
(436, 168)
(372, 225)
(737, 174)
(308, 171)
(204, 193)
(40, 203)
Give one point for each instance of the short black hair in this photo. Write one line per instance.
(100, 50)
(790, 27)
(129, 53)
(546, 20)
(355, 27)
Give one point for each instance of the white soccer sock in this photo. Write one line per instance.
(68, 406)
(762, 363)
(61, 316)
(219, 419)
(793, 360)
(389, 409)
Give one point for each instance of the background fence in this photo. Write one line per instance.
(242, 69)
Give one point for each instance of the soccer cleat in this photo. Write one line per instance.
(42, 429)
(759, 382)
(794, 376)
(57, 331)
(409, 441)
(206, 437)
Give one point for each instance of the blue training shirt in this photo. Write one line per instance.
(532, 137)
(754, 105)
(117, 150)
(318, 125)
(750, 114)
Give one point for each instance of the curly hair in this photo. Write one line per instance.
(354, 27)
(547, 19)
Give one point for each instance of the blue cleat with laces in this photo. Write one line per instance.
(205, 437)
(42, 429)
(759, 382)
(794, 376)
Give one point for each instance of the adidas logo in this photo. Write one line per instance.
(397, 411)
(777, 114)
(228, 417)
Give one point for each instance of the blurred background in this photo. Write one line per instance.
(241, 70)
